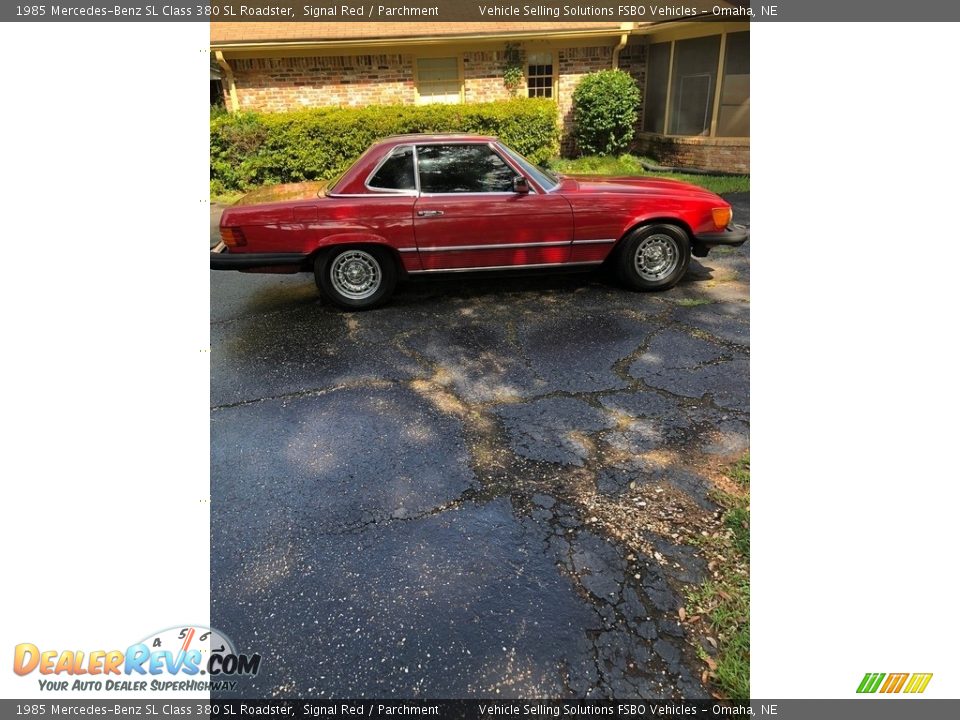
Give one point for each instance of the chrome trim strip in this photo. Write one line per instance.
(594, 242)
(503, 267)
(413, 249)
(376, 195)
(502, 246)
(469, 194)
(416, 167)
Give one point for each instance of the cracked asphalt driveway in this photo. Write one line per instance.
(489, 488)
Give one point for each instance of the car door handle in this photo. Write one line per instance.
(429, 213)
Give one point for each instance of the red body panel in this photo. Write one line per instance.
(578, 222)
(496, 230)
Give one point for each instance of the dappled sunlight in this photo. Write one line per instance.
(461, 376)
(419, 435)
(512, 675)
(440, 397)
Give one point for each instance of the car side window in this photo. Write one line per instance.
(471, 168)
(397, 171)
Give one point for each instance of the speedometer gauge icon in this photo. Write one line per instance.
(183, 639)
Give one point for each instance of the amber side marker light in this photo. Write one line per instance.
(233, 237)
(721, 217)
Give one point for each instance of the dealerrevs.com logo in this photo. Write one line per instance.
(183, 659)
(909, 683)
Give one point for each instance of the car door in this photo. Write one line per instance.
(468, 215)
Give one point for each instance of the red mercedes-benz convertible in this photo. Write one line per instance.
(418, 204)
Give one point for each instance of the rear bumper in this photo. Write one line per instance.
(734, 235)
(222, 259)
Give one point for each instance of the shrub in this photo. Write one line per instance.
(605, 112)
(250, 149)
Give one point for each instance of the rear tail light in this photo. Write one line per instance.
(722, 217)
(232, 237)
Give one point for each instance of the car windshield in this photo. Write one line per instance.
(545, 179)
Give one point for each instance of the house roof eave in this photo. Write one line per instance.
(348, 43)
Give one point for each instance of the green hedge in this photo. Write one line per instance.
(252, 149)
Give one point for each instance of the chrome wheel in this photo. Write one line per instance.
(355, 274)
(656, 257)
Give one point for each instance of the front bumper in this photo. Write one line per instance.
(735, 235)
(222, 259)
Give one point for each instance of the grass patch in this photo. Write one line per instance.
(737, 521)
(740, 472)
(630, 165)
(227, 198)
(724, 600)
(600, 165)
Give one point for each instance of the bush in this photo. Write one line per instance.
(251, 149)
(605, 112)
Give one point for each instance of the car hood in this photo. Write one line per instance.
(309, 190)
(631, 184)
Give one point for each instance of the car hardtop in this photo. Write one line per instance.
(415, 138)
(352, 182)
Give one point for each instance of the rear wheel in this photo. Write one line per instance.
(654, 257)
(356, 278)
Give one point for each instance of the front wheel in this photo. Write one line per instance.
(356, 278)
(654, 257)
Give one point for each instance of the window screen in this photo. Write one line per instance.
(694, 83)
(734, 117)
(438, 80)
(397, 172)
(462, 169)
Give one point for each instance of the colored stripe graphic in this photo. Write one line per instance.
(870, 682)
(918, 683)
(894, 682)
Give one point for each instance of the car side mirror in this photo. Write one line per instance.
(520, 185)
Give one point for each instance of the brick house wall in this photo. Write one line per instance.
(727, 154)
(633, 60)
(290, 83)
(483, 76)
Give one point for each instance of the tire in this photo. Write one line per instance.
(654, 257)
(356, 278)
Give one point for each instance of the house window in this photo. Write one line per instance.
(540, 74)
(699, 86)
(462, 169)
(438, 80)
